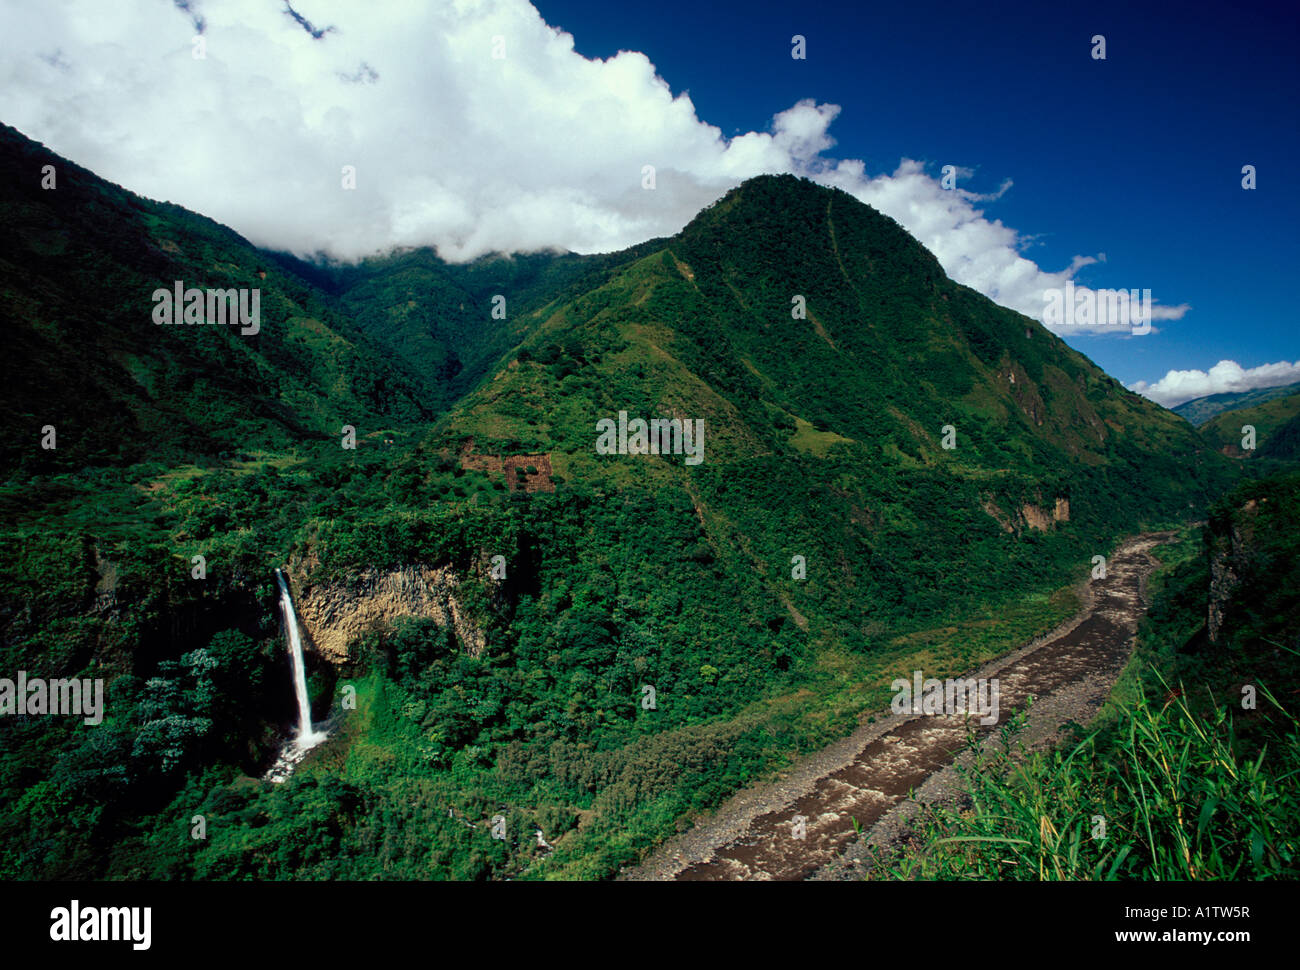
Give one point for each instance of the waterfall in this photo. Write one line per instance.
(306, 738)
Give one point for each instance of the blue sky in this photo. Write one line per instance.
(1137, 156)
(512, 126)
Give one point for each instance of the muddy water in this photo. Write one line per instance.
(891, 765)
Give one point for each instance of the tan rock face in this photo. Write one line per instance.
(1035, 517)
(1031, 516)
(333, 614)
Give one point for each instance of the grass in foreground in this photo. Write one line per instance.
(1164, 794)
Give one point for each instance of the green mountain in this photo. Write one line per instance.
(1283, 442)
(443, 318)
(894, 470)
(79, 262)
(824, 435)
(1276, 421)
(888, 352)
(1202, 409)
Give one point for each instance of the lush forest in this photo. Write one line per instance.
(828, 540)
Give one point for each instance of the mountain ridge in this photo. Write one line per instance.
(1008, 366)
(1275, 420)
(1201, 409)
(79, 263)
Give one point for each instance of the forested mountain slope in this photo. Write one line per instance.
(824, 431)
(1276, 424)
(763, 592)
(79, 262)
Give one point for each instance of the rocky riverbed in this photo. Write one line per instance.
(867, 777)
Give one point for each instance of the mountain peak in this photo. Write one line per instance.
(789, 210)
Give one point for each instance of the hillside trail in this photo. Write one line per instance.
(868, 776)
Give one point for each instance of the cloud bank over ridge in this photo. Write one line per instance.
(1227, 376)
(452, 146)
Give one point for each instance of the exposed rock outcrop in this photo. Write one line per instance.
(1036, 517)
(1031, 516)
(1025, 393)
(333, 614)
(1228, 563)
(106, 583)
(514, 468)
(991, 508)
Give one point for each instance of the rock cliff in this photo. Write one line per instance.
(333, 614)
(1229, 561)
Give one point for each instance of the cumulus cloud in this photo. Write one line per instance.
(1227, 376)
(453, 147)
(984, 255)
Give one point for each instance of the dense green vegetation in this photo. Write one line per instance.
(79, 264)
(1277, 429)
(610, 595)
(441, 317)
(823, 441)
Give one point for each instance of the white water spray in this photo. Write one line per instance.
(307, 738)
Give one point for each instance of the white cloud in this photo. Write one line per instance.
(452, 147)
(982, 254)
(1227, 376)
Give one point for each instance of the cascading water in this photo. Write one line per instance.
(306, 738)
